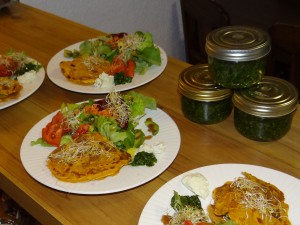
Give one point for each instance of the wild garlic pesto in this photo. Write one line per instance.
(233, 74)
(262, 128)
(264, 112)
(206, 112)
(237, 55)
(203, 101)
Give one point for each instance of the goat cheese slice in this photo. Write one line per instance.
(197, 183)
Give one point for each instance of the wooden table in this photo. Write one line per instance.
(42, 35)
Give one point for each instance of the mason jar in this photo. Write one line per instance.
(237, 55)
(264, 112)
(203, 101)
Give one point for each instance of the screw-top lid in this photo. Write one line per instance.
(238, 43)
(196, 83)
(272, 97)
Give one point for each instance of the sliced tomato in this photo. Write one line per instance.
(188, 222)
(118, 66)
(82, 129)
(59, 118)
(52, 134)
(55, 129)
(203, 223)
(130, 68)
(7, 66)
(4, 72)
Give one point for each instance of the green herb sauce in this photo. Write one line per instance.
(232, 74)
(144, 159)
(121, 78)
(206, 112)
(261, 128)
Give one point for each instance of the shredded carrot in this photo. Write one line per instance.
(93, 109)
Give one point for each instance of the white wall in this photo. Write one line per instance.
(160, 17)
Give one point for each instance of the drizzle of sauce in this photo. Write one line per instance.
(153, 128)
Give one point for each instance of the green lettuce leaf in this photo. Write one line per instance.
(150, 55)
(148, 40)
(138, 103)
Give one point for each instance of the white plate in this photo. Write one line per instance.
(27, 90)
(217, 175)
(56, 76)
(34, 159)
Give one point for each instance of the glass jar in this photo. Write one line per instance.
(203, 101)
(237, 55)
(264, 112)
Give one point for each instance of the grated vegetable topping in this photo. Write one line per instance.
(128, 44)
(188, 213)
(257, 196)
(92, 62)
(75, 150)
(119, 109)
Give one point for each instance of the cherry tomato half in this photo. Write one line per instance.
(55, 129)
(82, 129)
(130, 68)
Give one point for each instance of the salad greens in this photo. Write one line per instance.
(15, 64)
(179, 202)
(188, 210)
(116, 117)
(137, 46)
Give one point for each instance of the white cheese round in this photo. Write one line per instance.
(104, 81)
(197, 183)
(27, 77)
(155, 148)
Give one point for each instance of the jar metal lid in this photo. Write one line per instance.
(196, 83)
(238, 43)
(272, 97)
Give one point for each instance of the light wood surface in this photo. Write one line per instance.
(42, 35)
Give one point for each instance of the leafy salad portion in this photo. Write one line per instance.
(188, 211)
(188, 208)
(16, 70)
(116, 117)
(14, 64)
(128, 54)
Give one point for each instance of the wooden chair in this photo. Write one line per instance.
(284, 59)
(199, 17)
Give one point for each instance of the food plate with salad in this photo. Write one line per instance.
(20, 76)
(115, 61)
(159, 205)
(149, 138)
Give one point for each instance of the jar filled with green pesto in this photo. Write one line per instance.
(237, 55)
(203, 101)
(264, 112)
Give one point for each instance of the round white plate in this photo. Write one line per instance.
(34, 159)
(217, 175)
(56, 76)
(27, 90)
